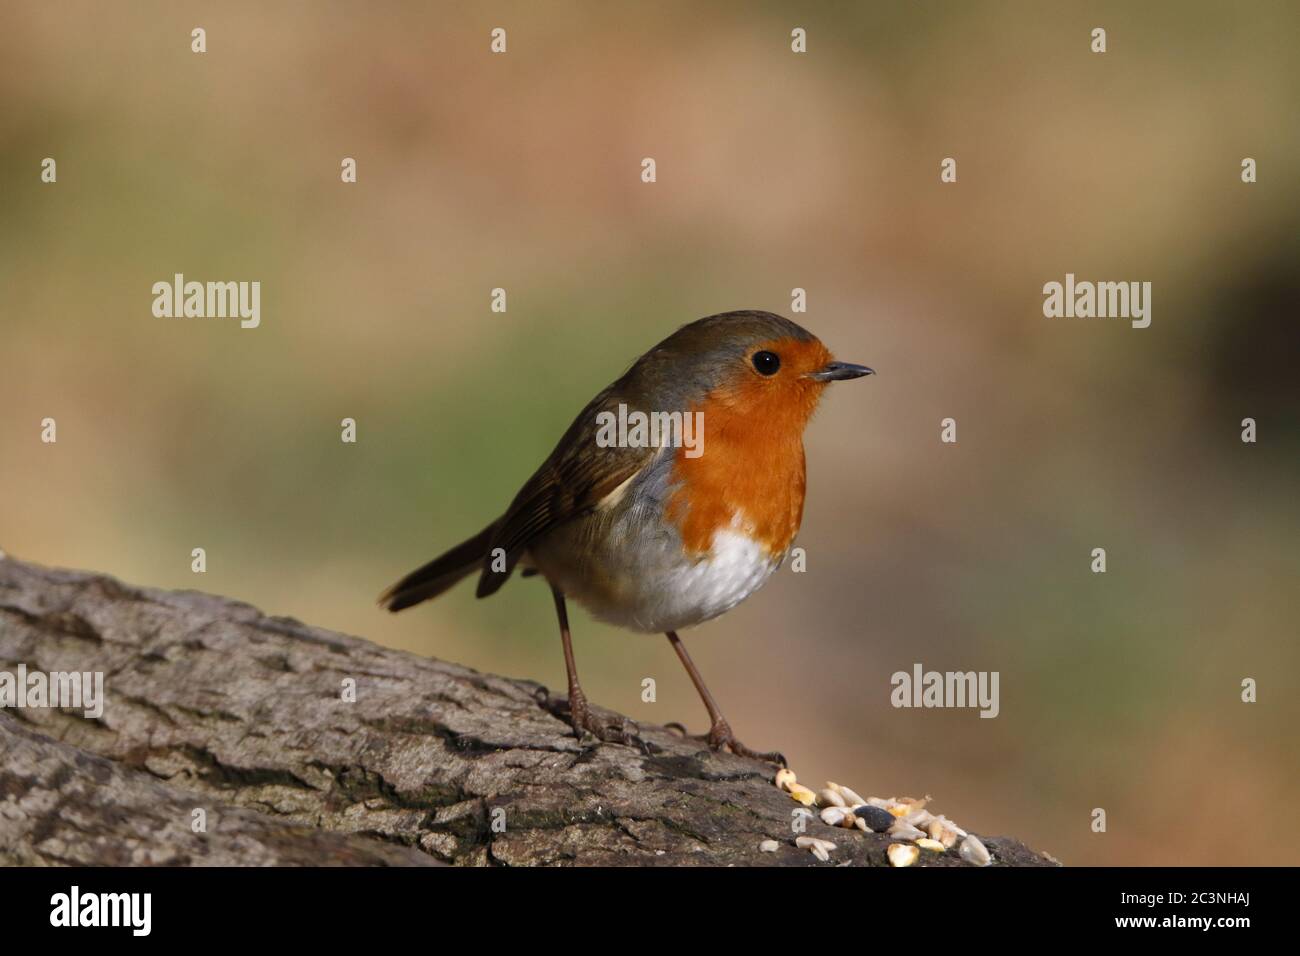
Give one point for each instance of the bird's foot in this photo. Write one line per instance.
(720, 737)
(620, 730)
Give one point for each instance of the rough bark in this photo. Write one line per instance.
(212, 705)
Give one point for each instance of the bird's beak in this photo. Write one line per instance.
(838, 371)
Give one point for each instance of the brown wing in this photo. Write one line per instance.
(576, 476)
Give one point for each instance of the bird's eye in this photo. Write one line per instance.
(766, 362)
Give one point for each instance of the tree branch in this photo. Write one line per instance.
(212, 705)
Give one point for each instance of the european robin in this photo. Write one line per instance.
(657, 529)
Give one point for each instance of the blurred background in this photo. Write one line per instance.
(775, 171)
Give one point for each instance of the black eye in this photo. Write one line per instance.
(766, 362)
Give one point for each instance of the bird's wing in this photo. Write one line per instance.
(573, 480)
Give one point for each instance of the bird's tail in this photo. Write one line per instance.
(439, 574)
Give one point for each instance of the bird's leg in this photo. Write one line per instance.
(719, 734)
(580, 716)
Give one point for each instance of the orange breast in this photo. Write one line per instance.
(750, 476)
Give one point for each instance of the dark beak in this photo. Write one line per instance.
(838, 371)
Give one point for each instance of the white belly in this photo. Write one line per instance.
(654, 588)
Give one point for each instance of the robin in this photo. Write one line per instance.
(659, 529)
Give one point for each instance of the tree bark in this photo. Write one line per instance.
(212, 706)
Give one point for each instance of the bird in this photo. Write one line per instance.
(656, 531)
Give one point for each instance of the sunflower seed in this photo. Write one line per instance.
(902, 855)
(802, 794)
(974, 852)
(832, 816)
(820, 848)
(911, 803)
(850, 797)
(875, 818)
(951, 826)
(905, 831)
(829, 798)
(919, 818)
(942, 832)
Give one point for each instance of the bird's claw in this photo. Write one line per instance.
(620, 731)
(720, 737)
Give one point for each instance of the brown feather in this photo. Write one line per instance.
(572, 480)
